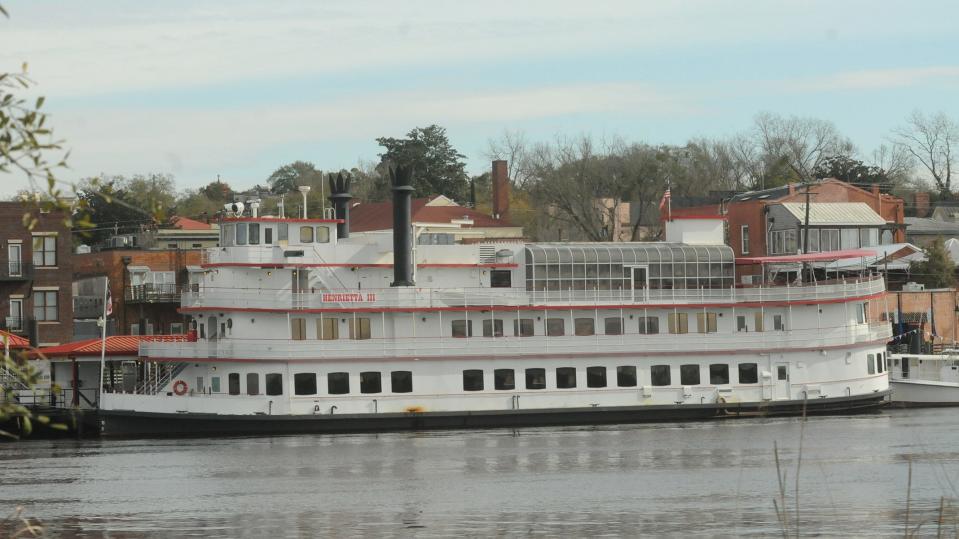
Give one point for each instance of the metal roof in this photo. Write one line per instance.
(626, 253)
(922, 225)
(835, 213)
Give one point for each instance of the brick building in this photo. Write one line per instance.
(36, 276)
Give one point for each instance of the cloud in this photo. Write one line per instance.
(874, 79)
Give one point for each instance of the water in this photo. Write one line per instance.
(709, 478)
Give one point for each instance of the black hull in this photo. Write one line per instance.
(121, 423)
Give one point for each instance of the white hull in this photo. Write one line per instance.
(924, 393)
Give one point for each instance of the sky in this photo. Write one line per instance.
(238, 89)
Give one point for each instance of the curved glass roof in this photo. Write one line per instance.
(633, 253)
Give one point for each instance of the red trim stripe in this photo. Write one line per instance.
(300, 265)
(278, 220)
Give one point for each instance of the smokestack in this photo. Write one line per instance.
(500, 190)
(402, 179)
(340, 197)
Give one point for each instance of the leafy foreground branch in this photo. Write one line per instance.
(17, 525)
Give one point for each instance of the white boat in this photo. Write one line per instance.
(924, 379)
(301, 327)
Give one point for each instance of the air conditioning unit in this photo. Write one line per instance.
(913, 287)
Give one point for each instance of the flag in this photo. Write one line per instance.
(108, 308)
(663, 204)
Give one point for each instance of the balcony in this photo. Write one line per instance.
(152, 293)
(15, 270)
(14, 324)
(87, 306)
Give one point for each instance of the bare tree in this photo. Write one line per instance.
(513, 147)
(895, 161)
(801, 143)
(931, 139)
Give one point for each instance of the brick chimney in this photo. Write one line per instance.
(500, 190)
(921, 202)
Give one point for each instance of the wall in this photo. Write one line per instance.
(941, 303)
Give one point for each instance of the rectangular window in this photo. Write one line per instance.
(228, 235)
(370, 382)
(814, 240)
(744, 234)
(584, 327)
(871, 363)
(492, 328)
(535, 378)
(523, 327)
(45, 305)
(360, 329)
(689, 375)
(614, 326)
(880, 363)
(719, 374)
(327, 329)
(298, 328)
(678, 323)
(849, 238)
(595, 376)
(555, 327)
(565, 378)
(501, 279)
(473, 380)
(282, 231)
(504, 379)
(659, 375)
(758, 321)
(267, 236)
(401, 382)
(45, 251)
(338, 383)
(748, 373)
(706, 322)
(233, 380)
(789, 244)
(829, 239)
(252, 383)
(306, 234)
(215, 384)
(462, 328)
(861, 313)
(322, 234)
(626, 376)
(274, 384)
(254, 233)
(648, 325)
(241, 231)
(741, 323)
(778, 322)
(304, 383)
(176, 328)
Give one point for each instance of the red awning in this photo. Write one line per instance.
(117, 345)
(15, 341)
(827, 256)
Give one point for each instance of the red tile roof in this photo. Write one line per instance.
(368, 216)
(185, 223)
(117, 345)
(15, 341)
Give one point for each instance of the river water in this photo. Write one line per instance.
(683, 479)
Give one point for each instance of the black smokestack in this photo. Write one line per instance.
(402, 179)
(340, 197)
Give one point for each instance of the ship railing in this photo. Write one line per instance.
(281, 349)
(158, 377)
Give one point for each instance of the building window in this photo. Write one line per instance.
(501, 279)
(584, 327)
(338, 383)
(535, 378)
(626, 376)
(176, 328)
(504, 379)
(758, 321)
(370, 382)
(473, 380)
(252, 383)
(748, 373)
(678, 323)
(492, 328)
(298, 328)
(462, 328)
(849, 238)
(306, 234)
(565, 378)
(555, 327)
(274, 384)
(233, 380)
(659, 375)
(871, 363)
(706, 322)
(719, 374)
(360, 329)
(813, 240)
(741, 323)
(523, 327)
(401, 382)
(689, 375)
(304, 383)
(45, 305)
(744, 244)
(778, 322)
(595, 376)
(327, 329)
(829, 239)
(45, 251)
(648, 325)
(254, 233)
(614, 326)
(322, 234)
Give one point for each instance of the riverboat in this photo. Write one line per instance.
(300, 326)
(920, 380)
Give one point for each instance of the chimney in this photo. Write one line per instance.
(921, 203)
(402, 180)
(500, 190)
(875, 189)
(792, 189)
(340, 197)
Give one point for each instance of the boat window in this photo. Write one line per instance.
(215, 384)
(504, 379)
(254, 233)
(758, 321)
(268, 235)
(584, 327)
(306, 234)
(648, 325)
(678, 323)
(871, 363)
(462, 328)
(535, 378)
(565, 377)
(360, 329)
(778, 322)
(689, 375)
(282, 231)
(322, 234)
(748, 373)
(304, 383)
(233, 380)
(861, 313)
(401, 382)
(555, 327)
(782, 373)
(719, 374)
(523, 327)
(229, 235)
(327, 329)
(298, 328)
(880, 363)
(706, 322)
(241, 234)
(741, 323)
(626, 376)
(501, 279)
(659, 375)
(338, 383)
(595, 376)
(252, 383)
(614, 326)
(274, 384)
(492, 328)
(473, 380)
(370, 382)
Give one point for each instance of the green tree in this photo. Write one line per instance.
(438, 169)
(112, 207)
(208, 200)
(286, 178)
(937, 270)
(850, 170)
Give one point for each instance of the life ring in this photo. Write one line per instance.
(180, 387)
